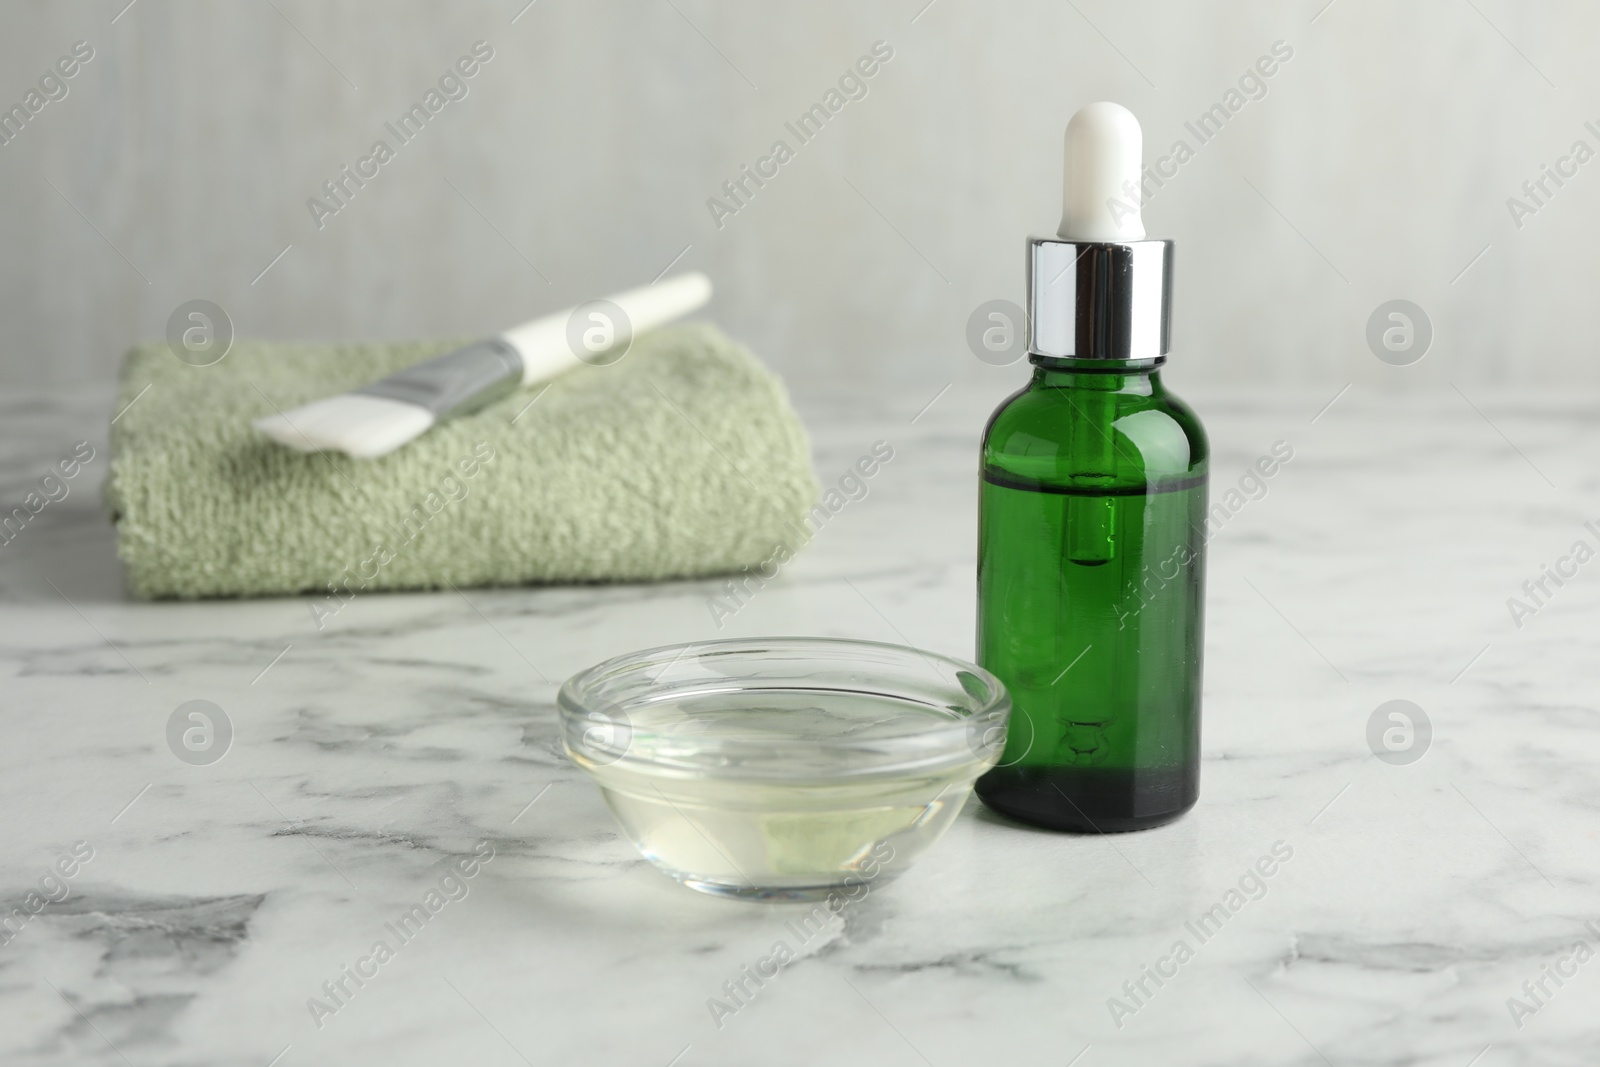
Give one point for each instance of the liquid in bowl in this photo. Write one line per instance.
(796, 781)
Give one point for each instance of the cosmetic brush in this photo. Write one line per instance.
(378, 418)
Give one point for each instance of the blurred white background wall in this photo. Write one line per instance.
(1377, 165)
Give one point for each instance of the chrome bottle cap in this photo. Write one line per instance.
(1099, 299)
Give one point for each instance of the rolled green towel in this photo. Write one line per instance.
(682, 459)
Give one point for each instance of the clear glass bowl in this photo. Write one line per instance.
(784, 768)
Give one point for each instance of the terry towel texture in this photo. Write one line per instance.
(684, 458)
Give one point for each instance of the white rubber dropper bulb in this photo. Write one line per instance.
(1104, 160)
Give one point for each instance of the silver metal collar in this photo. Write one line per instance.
(457, 382)
(1099, 300)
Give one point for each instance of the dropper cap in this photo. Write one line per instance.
(1104, 153)
(1100, 289)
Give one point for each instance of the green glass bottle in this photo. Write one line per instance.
(1091, 545)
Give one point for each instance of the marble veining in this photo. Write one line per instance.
(415, 731)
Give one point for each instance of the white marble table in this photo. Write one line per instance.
(368, 757)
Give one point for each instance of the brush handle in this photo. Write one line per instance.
(587, 332)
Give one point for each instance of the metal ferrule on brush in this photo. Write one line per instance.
(457, 382)
(1107, 300)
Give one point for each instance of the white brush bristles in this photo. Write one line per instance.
(356, 424)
